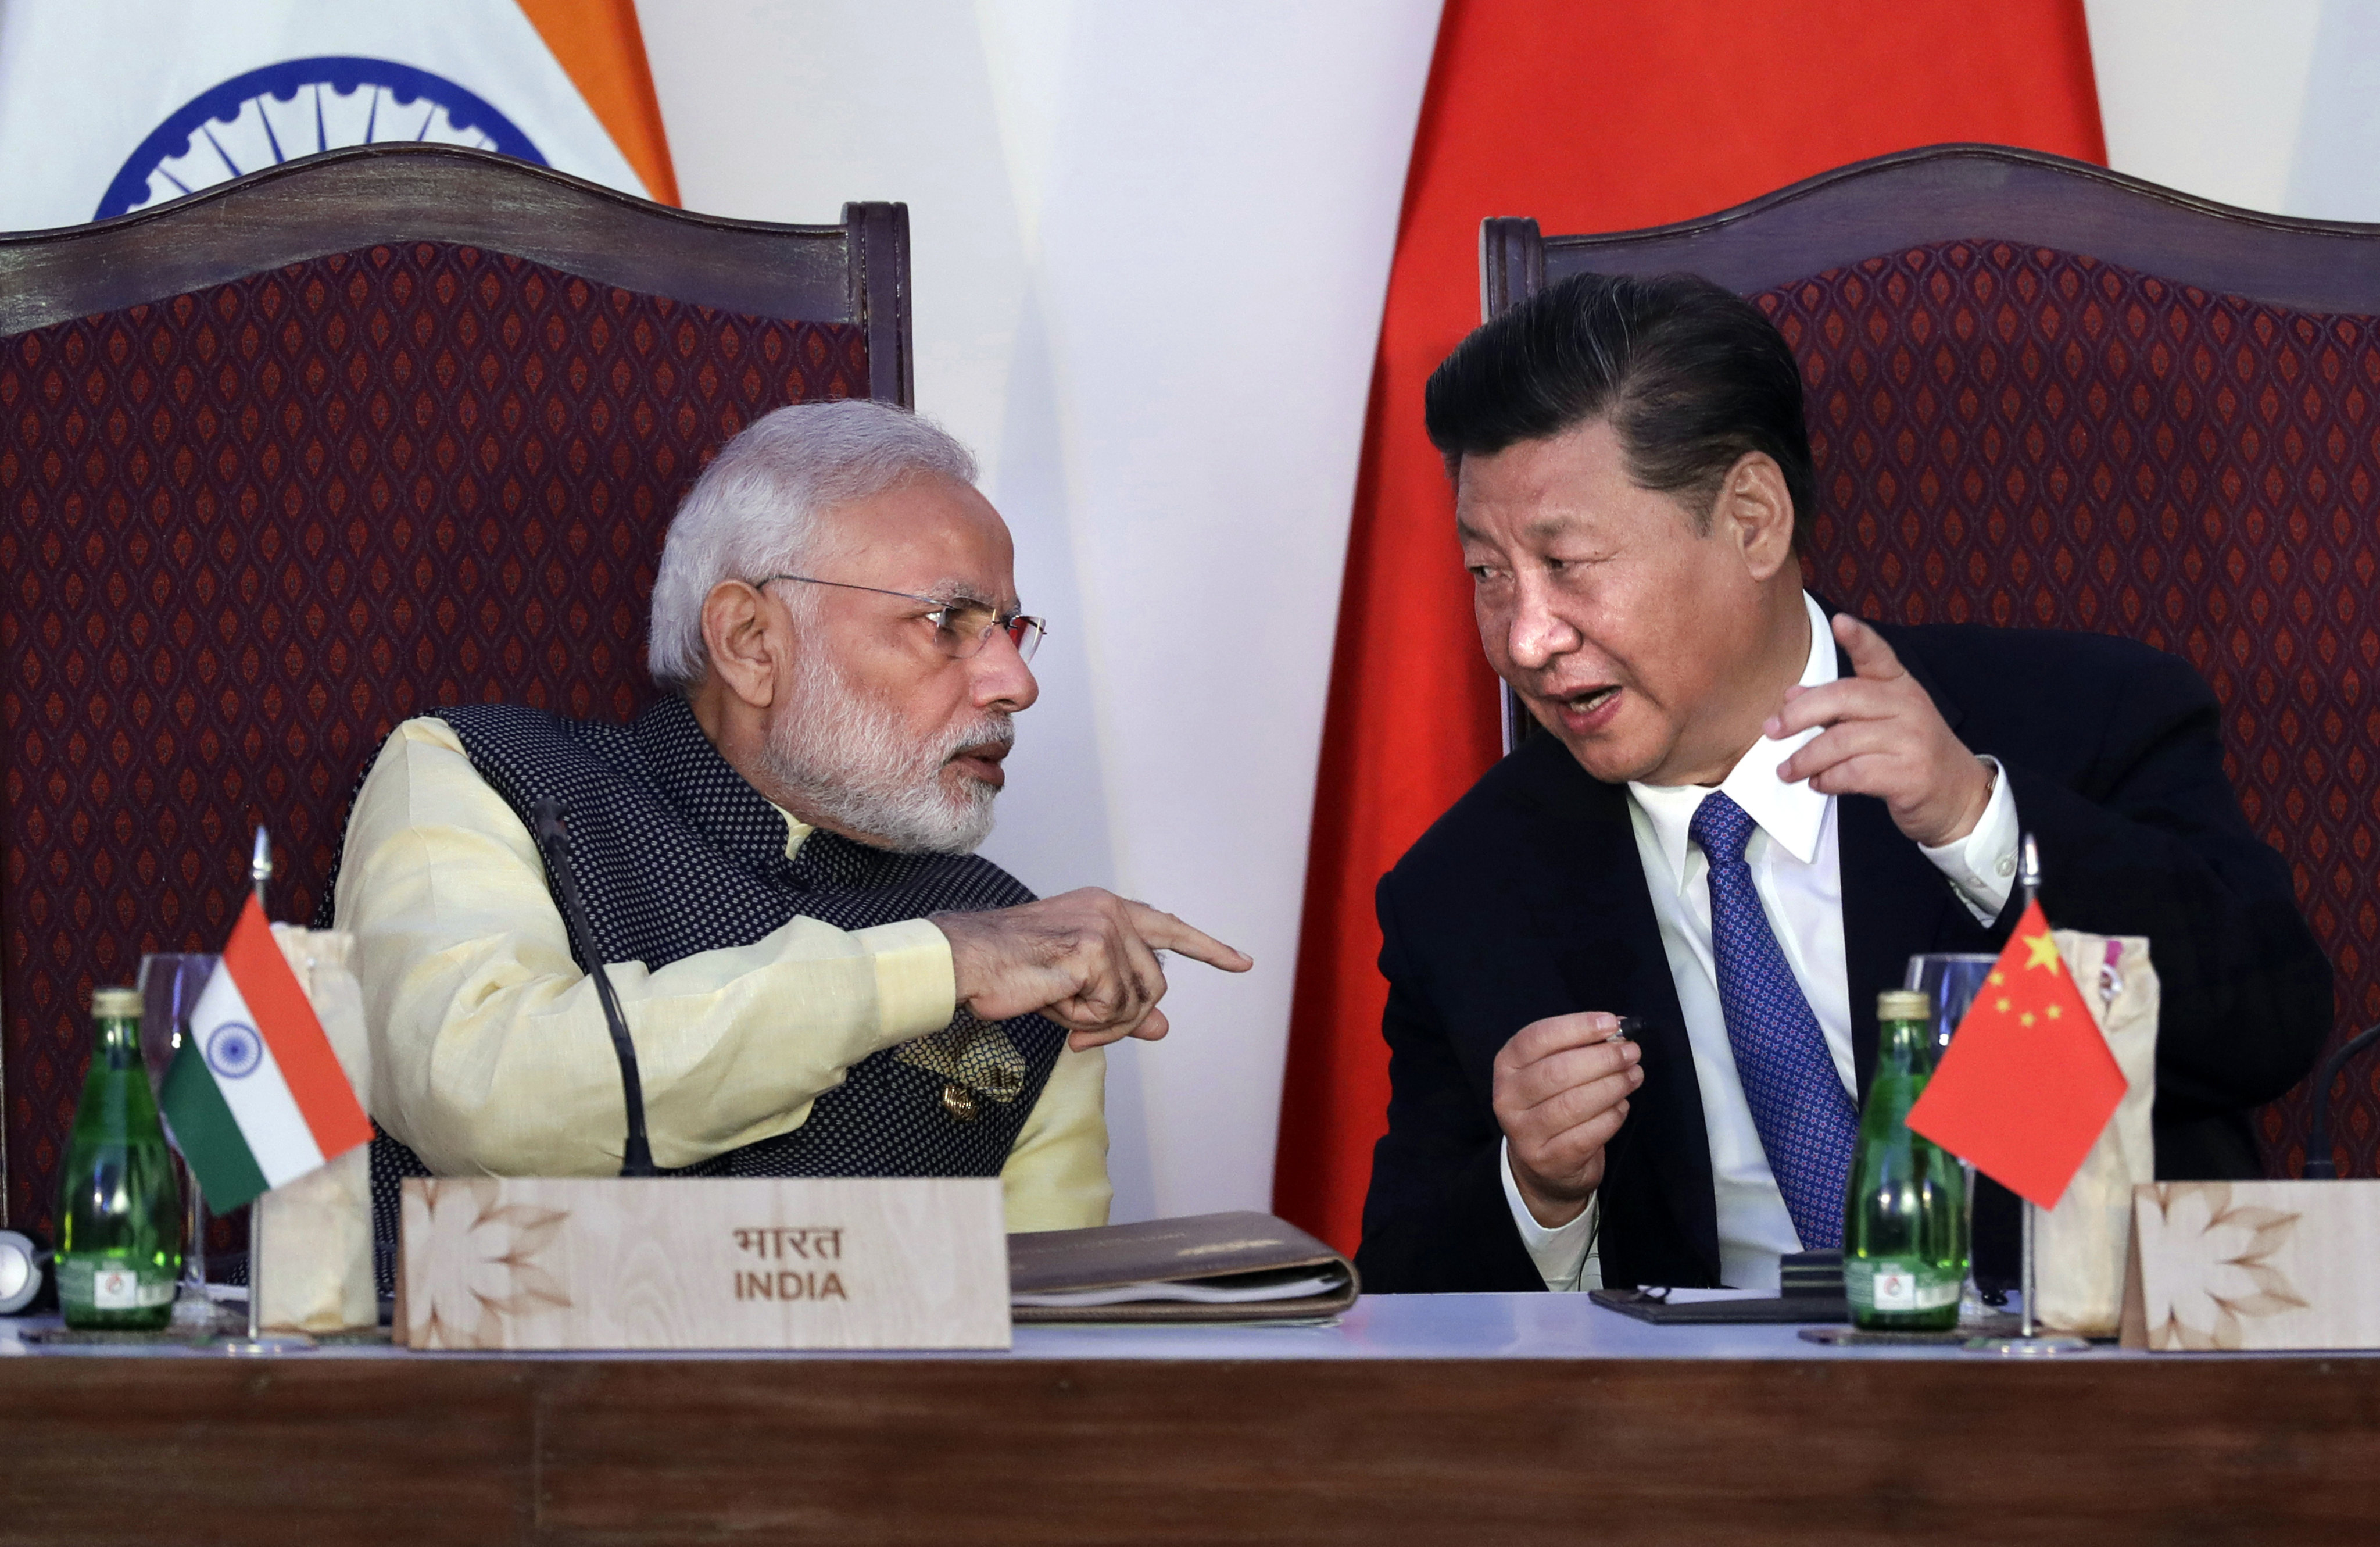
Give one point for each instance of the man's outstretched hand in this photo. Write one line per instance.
(1884, 737)
(1087, 960)
(1561, 1093)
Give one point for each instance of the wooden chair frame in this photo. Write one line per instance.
(1949, 193)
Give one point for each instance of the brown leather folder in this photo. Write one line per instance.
(1241, 1267)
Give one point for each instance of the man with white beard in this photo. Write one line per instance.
(777, 863)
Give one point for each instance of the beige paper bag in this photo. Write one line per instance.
(316, 1273)
(2080, 1247)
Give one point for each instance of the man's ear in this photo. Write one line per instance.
(744, 636)
(1755, 510)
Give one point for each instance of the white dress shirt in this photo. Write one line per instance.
(1797, 870)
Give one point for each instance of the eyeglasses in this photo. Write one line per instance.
(961, 627)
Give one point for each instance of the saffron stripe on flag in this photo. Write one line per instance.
(208, 1134)
(285, 1020)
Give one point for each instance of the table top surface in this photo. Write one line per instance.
(1380, 1327)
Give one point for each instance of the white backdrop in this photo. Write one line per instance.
(2270, 104)
(1151, 244)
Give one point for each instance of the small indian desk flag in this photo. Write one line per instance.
(2027, 1083)
(255, 1094)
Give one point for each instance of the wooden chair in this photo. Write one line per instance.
(2044, 394)
(303, 455)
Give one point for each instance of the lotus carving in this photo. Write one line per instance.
(2215, 1267)
(483, 1264)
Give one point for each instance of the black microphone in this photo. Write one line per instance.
(2319, 1167)
(554, 840)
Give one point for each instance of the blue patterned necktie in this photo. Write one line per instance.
(1806, 1122)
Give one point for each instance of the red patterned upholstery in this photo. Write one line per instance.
(244, 532)
(2032, 438)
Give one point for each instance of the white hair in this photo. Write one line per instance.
(755, 508)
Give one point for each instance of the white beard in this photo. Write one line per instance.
(843, 756)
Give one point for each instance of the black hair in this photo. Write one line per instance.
(1691, 375)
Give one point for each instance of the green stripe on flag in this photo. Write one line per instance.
(209, 1136)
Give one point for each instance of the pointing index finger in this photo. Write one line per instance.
(1871, 657)
(1163, 932)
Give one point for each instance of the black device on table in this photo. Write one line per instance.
(1810, 1289)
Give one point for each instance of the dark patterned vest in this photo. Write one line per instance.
(677, 854)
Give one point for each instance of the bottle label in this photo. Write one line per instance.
(1889, 1283)
(112, 1285)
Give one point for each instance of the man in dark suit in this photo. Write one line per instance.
(1750, 811)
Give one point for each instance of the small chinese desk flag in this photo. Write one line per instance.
(255, 1094)
(2027, 1083)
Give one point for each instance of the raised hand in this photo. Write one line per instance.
(1562, 1089)
(1884, 737)
(1087, 960)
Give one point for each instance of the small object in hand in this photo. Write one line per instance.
(1631, 1027)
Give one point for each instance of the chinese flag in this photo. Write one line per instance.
(2028, 1082)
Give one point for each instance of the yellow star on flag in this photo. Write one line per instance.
(2043, 951)
(2026, 1018)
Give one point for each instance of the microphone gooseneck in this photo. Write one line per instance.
(2319, 1167)
(554, 842)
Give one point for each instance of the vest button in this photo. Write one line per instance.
(959, 1104)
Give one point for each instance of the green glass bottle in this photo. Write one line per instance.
(120, 1217)
(1904, 1216)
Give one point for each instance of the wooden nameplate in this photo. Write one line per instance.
(702, 1262)
(2253, 1265)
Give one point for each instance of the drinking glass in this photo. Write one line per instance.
(170, 983)
(1952, 980)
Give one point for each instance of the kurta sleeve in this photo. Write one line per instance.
(1057, 1173)
(490, 1053)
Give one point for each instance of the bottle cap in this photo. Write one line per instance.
(1903, 1005)
(116, 1003)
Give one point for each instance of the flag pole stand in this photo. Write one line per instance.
(258, 1340)
(2031, 1342)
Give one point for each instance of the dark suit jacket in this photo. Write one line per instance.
(1527, 899)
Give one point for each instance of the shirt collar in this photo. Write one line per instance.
(795, 830)
(1793, 815)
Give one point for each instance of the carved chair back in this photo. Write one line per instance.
(290, 460)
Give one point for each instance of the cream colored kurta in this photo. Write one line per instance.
(490, 1053)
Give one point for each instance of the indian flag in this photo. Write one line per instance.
(107, 109)
(255, 1094)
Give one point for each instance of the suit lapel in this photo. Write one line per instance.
(1594, 919)
(1894, 898)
